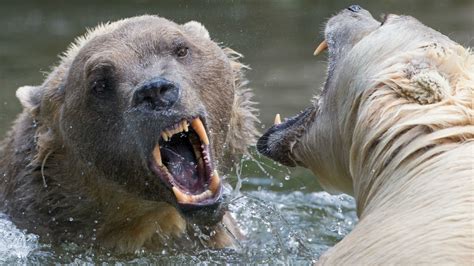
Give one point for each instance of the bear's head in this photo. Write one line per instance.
(148, 105)
(387, 84)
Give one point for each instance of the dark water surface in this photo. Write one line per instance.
(277, 39)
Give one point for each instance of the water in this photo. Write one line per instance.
(280, 227)
(285, 217)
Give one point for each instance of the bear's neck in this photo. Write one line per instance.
(395, 156)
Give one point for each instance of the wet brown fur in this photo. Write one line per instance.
(49, 188)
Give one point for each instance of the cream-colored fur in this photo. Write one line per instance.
(398, 134)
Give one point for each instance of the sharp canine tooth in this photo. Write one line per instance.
(199, 128)
(164, 136)
(182, 197)
(321, 47)
(215, 182)
(185, 126)
(157, 155)
(277, 119)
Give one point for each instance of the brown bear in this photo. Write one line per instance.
(394, 127)
(122, 145)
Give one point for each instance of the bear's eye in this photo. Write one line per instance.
(101, 79)
(182, 51)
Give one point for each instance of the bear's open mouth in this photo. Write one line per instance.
(182, 159)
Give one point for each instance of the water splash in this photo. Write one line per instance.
(15, 245)
(281, 227)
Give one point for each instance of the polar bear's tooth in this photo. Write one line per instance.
(157, 155)
(197, 125)
(321, 47)
(277, 119)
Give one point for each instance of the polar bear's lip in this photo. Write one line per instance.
(183, 161)
(278, 141)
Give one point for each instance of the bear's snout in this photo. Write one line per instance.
(157, 94)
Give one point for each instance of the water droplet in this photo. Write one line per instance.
(71, 219)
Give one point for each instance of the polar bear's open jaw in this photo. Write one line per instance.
(342, 35)
(278, 142)
(183, 161)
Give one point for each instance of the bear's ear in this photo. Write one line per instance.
(30, 97)
(197, 29)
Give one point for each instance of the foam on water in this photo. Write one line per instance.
(15, 245)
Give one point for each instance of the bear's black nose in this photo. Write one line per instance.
(354, 8)
(158, 93)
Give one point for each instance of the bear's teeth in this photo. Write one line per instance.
(186, 198)
(321, 47)
(197, 125)
(206, 194)
(157, 155)
(214, 182)
(172, 132)
(181, 197)
(164, 136)
(181, 127)
(185, 125)
(277, 119)
(175, 129)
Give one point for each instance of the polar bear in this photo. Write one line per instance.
(394, 127)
